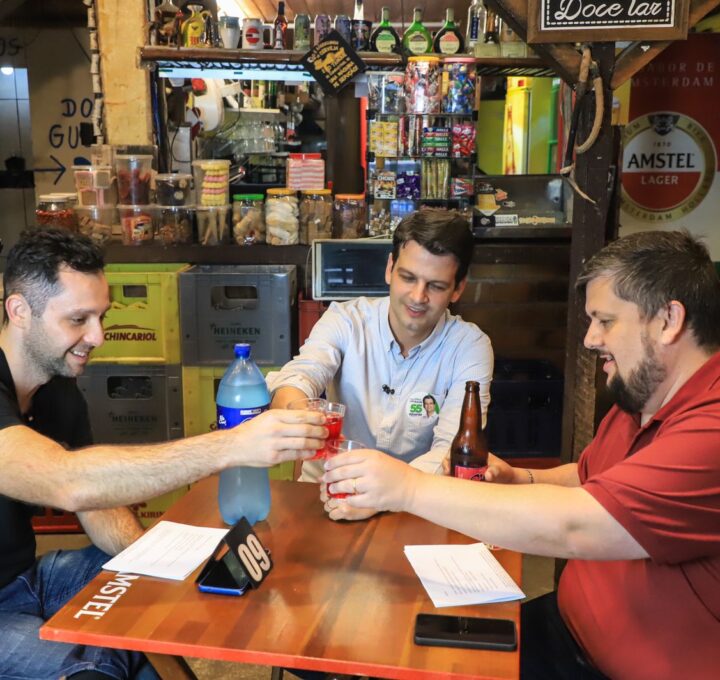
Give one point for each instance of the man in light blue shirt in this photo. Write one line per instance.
(383, 357)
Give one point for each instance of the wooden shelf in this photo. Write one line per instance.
(229, 254)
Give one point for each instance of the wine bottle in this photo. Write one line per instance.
(384, 37)
(475, 25)
(449, 40)
(417, 39)
(280, 28)
(469, 449)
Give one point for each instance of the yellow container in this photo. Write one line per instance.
(142, 325)
(149, 511)
(200, 384)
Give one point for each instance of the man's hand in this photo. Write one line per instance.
(377, 481)
(337, 508)
(499, 471)
(276, 436)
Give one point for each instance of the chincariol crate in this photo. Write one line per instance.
(136, 405)
(200, 385)
(221, 305)
(142, 325)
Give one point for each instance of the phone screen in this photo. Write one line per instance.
(219, 580)
(465, 631)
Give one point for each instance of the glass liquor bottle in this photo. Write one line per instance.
(490, 46)
(475, 25)
(449, 40)
(280, 28)
(384, 37)
(417, 39)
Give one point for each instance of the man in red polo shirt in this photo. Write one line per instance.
(638, 516)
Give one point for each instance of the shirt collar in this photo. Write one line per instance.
(388, 339)
(700, 382)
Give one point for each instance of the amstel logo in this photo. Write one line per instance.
(669, 165)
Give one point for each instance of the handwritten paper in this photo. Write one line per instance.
(455, 575)
(168, 550)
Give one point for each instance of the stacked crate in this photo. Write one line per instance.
(222, 305)
(133, 385)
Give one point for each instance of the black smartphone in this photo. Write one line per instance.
(219, 580)
(465, 631)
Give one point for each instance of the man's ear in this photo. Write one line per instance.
(18, 310)
(458, 290)
(672, 317)
(388, 268)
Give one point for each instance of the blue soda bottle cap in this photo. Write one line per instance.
(242, 350)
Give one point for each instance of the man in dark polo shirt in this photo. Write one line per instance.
(639, 515)
(55, 298)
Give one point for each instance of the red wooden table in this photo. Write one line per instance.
(341, 598)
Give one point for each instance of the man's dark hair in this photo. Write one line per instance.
(34, 262)
(653, 268)
(440, 232)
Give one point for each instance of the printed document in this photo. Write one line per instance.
(455, 575)
(168, 550)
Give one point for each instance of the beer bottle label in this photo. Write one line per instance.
(476, 474)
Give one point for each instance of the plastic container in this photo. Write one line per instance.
(134, 178)
(248, 219)
(282, 217)
(422, 85)
(137, 224)
(458, 85)
(316, 215)
(386, 92)
(54, 210)
(242, 394)
(97, 222)
(173, 189)
(212, 182)
(349, 218)
(213, 225)
(95, 185)
(174, 224)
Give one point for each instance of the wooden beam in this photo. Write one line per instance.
(639, 54)
(564, 59)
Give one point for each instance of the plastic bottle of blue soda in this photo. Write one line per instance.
(242, 394)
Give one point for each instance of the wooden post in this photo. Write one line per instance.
(122, 28)
(596, 173)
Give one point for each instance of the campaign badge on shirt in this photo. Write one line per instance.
(424, 406)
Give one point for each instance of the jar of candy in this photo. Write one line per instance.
(316, 215)
(54, 210)
(458, 85)
(349, 219)
(422, 85)
(137, 223)
(212, 182)
(213, 225)
(248, 219)
(281, 217)
(173, 189)
(96, 221)
(174, 224)
(386, 92)
(134, 177)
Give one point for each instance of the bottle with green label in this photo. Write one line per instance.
(384, 37)
(449, 40)
(417, 39)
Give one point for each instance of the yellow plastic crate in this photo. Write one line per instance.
(149, 511)
(200, 385)
(142, 325)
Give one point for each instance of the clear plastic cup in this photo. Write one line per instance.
(134, 178)
(173, 189)
(341, 446)
(174, 224)
(97, 222)
(213, 225)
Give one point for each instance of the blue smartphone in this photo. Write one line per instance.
(219, 581)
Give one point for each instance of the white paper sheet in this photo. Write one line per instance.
(168, 550)
(455, 575)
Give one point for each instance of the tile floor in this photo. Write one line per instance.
(538, 574)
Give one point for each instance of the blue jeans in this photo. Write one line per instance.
(31, 599)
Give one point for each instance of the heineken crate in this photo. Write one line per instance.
(142, 325)
(200, 386)
(225, 304)
(133, 404)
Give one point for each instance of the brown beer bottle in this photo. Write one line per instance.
(469, 450)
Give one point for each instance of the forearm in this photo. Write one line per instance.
(562, 475)
(284, 395)
(541, 519)
(111, 530)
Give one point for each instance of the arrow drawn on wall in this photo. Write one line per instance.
(59, 168)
